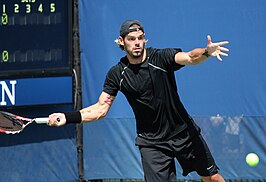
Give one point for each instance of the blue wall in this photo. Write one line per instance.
(235, 89)
(39, 153)
(231, 88)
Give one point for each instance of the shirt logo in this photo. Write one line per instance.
(208, 168)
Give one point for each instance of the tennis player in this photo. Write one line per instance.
(165, 130)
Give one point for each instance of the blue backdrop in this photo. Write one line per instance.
(234, 88)
(227, 99)
(39, 153)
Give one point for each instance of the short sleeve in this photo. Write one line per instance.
(168, 55)
(165, 58)
(111, 83)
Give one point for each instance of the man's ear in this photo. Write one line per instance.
(146, 40)
(120, 41)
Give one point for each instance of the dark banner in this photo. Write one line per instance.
(36, 91)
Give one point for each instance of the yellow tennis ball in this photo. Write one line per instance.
(252, 159)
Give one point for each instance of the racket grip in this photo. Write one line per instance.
(41, 120)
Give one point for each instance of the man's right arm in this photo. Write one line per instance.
(92, 113)
(99, 110)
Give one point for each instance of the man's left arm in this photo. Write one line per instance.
(198, 55)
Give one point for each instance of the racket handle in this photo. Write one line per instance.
(41, 120)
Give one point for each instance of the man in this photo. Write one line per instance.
(164, 128)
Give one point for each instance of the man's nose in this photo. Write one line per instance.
(137, 41)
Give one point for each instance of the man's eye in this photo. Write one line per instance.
(131, 38)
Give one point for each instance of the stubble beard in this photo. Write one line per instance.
(135, 54)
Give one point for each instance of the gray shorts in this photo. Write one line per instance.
(194, 155)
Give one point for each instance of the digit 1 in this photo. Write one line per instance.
(4, 8)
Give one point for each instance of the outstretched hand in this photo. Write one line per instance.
(216, 49)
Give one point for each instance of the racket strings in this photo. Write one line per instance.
(9, 123)
(14, 121)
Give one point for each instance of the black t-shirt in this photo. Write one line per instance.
(151, 90)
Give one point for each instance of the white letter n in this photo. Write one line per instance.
(11, 95)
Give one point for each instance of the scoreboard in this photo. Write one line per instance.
(35, 38)
(35, 52)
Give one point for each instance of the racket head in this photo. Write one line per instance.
(12, 124)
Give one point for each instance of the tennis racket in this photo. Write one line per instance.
(12, 124)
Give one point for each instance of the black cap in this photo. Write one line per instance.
(125, 27)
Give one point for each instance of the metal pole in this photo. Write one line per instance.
(77, 87)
